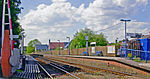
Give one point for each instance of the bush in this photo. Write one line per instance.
(137, 59)
(129, 55)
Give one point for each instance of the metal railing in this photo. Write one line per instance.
(132, 54)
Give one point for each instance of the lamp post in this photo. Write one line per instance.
(87, 38)
(59, 46)
(124, 20)
(69, 44)
(22, 42)
(22, 50)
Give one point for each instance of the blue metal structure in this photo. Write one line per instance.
(143, 54)
(145, 44)
(125, 36)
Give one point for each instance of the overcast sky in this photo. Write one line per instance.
(57, 19)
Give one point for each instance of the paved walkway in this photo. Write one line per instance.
(145, 66)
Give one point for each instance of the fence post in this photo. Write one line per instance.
(121, 53)
(132, 54)
(146, 56)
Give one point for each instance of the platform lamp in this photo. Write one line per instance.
(59, 46)
(69, 44)
(87, 38)
(125, 20)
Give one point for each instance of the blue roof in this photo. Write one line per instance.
(40, 47)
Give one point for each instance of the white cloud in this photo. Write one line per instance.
(103, 14)
(55, 21)
(61, 19)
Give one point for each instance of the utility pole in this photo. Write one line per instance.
(125, 36)
(59, 46)
(69, 44)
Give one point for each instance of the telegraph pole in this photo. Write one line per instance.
(125, 36)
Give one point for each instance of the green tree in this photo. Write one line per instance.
(15, 10)
(31, 45)
(100, 40)
(80, 42)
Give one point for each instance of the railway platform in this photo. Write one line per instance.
(143, 66)
(131, 63)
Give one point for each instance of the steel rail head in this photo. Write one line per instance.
(64, 71)
(58, 67)
(45, 70)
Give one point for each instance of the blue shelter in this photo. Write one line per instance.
(145, 46)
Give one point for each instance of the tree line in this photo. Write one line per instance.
(77, 42)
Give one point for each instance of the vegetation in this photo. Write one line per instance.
(15, 10)
(137, 59)
(80, 42)
(31, 45)
(130, 55)
(58, 48)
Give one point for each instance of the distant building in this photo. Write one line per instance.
(135, 43)
(54, 45)
(146, 36)
(41, 47)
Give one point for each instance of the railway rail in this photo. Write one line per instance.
(62, 69)
(33, 70)
(85, 67)
(46, 72)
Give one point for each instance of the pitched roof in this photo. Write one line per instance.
(54, 45)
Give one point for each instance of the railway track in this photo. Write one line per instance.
(56, 66)
(86, 68)
(33, 70)
(45, 71)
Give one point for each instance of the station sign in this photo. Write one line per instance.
(86, 38)
(14, 36)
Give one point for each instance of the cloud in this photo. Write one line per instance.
(103, 14)
(61, 19)
(55, 21)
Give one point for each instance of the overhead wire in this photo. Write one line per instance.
(108, 27)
